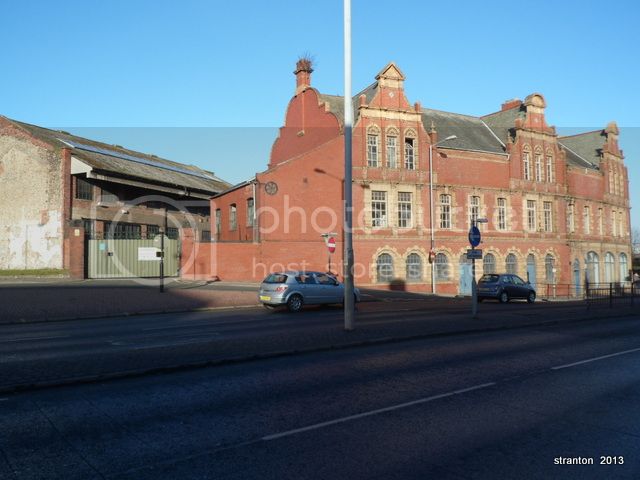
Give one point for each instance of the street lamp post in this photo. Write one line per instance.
(431, 222)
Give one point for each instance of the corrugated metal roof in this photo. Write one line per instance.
(167, 172)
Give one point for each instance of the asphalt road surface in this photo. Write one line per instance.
(502, 405)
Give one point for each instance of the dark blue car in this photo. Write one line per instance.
(504, 287)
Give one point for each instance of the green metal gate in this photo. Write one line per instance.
(131, 258)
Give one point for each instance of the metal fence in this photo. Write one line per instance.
(594, 294)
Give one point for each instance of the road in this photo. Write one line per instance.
(495, 405)
(48, 353)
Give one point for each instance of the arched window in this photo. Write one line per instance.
(392, 148)
(489, 263)
(384, 267)
(549, 264)
(414, 267)
(609, 265)
(550, 168)
(442, 267)
(593, 270)
(539, 167)
(250, 212)
(410, 150)
(624, 267)
(511, 264)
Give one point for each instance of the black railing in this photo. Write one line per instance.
(594, 294)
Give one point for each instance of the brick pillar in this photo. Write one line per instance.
(75, 246)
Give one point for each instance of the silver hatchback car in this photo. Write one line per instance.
(295, 289)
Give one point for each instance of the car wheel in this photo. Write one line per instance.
(294, 304)
(532, 297)
(504, 297)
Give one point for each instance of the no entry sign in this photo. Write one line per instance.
(331, 244)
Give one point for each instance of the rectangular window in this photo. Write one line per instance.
(372, 150)
(409, 160)
(218, 221)
(89, 227)
(233, 217)
(548, 218)
(526, 165)
(474, 209)
(620, 224)
(531, 215)
(404, 209)
(107, 197)
(122, 231)
(250, 212)
(600, 222)
(392, 152)
(84, 190)
(445, 211)
(502, 214)
(614, 224)
(205, 236)
(550, 169)
(152, 231)
(586, 220)
(173, 233)
(571, 223)
(539, 169)
(378, 209)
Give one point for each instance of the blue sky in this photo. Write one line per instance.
(217, 76)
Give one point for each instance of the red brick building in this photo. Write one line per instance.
(557, 207)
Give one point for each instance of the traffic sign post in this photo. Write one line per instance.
(474, 240)
(330, 242)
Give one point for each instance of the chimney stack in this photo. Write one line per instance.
(303, 74)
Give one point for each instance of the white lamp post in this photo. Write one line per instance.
(431, 223)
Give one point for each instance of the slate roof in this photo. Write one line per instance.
(584, 149)
(472, 132)
(503, 121)
(336, 102)
(162, 172)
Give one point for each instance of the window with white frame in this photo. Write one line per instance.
(445, 211)
(526, 165)
(489, 263)
(502, 213)
(511, 264)
(384, 267)
(547, 216)
(372, 149)
(442, 267)
(250, 212)
(404, 209)
(586, 219)
(624, 267)
(414, 267)
(549, 265)
(392, 151)
(378, 209)
(409, 153)
(571, 222)
(609, 267)
(539, 168)
(474, 209)
(600, 222)
(550, 169)
(531, 215)
(233, 219)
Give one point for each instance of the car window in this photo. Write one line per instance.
(506, 279)
(324, 279)
(275, 278)
(489, 278)
(517, 280)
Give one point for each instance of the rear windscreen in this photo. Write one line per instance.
(275, 278)
(490, 278)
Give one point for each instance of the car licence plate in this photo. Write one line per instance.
(265, 298)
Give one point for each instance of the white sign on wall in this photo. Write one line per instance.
(148, 254)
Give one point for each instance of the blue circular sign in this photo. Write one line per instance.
(474, 236)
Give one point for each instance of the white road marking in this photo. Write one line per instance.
(26, 339)
(589, 360)
(373, 412)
